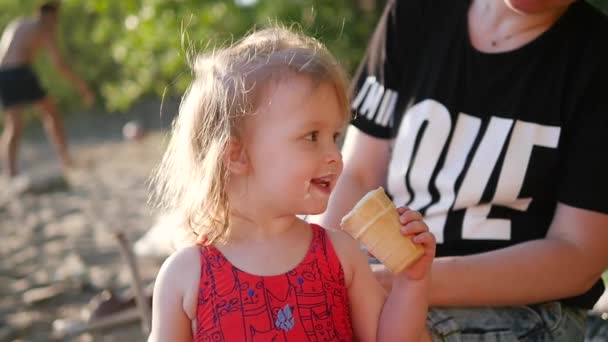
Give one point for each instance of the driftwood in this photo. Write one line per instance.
(63, 328)
(140, 299)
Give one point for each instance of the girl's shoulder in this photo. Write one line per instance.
(347, 249)
(180, 275)
(184, 259)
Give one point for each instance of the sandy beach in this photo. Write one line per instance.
(61, 241)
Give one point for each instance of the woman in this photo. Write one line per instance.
(488, 116)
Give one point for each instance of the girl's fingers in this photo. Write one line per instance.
(409, 215)
(425, 238)
(414, 227)
(403, 209)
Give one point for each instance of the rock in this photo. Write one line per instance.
(38, 184)
(8, 303)
(72, 270)
(32, 184)
(133, 131)
(54, 248)
(41, 276)
(37, 295)
(45, 214)
(74, 224)
(101, 278)
(6, 333)
(20, 285)
(23, 255)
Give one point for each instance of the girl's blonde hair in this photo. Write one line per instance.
(227, 84)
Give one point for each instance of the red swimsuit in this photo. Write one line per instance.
(308, 303)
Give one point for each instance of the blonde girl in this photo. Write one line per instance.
(255, 144)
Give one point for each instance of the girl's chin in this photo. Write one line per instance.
(315, 211)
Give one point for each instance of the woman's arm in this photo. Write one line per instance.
(172, 297)
(564, 264)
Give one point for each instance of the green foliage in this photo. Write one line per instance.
(601, 4)
(132, 49)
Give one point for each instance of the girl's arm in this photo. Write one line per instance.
(366, 296)
(404, 314)
(172, 299)
(401, 316)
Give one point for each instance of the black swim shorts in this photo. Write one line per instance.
(19, 85)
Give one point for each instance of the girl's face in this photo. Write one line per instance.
(291, 146)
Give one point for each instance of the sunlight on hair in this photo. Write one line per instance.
(227, 84)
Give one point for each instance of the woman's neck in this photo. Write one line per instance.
(495, 27)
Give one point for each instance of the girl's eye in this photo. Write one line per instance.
(312, 136)
(336, 137)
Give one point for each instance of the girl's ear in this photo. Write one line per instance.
(236, 158)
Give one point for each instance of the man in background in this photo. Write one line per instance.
(21, 42)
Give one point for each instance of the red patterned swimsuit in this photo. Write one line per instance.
(308, 303)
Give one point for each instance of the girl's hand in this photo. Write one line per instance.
(414, 227)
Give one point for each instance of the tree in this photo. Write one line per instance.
(132, 49)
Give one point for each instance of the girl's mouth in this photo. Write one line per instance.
(324, 184)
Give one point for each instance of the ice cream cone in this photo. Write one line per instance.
(374, 222)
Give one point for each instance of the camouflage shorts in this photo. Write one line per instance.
(545, 322)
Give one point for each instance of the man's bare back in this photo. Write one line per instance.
(21, 41)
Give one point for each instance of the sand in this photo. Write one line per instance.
(57, 249)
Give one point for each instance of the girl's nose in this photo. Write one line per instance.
(334, 155)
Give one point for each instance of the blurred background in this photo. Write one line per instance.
(61, 267)
(135, 49)
(60, 253)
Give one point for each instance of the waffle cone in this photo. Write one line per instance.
(374, 222)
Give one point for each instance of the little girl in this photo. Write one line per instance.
(255, 144)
